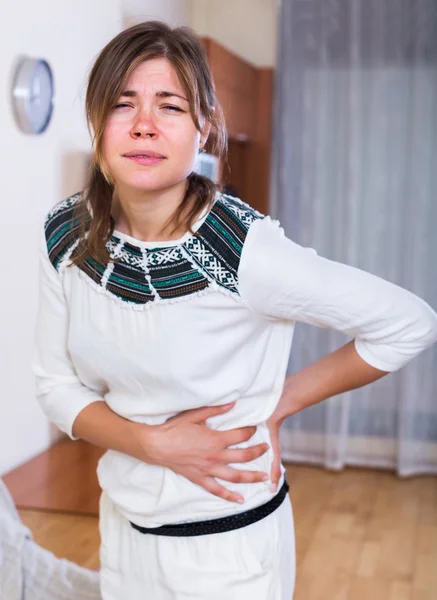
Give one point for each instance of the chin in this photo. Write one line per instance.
(151, 179)
(148, 185)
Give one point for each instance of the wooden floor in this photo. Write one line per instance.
(361, 535)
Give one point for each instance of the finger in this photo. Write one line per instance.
(200, 415)
(242, 455)
(275, 474)
(237, 476)
(213, 486)
(276, 464)
(237, 436)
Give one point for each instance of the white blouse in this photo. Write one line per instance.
(200, 321)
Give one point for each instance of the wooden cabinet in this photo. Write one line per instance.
(235, 81)
(245, 94)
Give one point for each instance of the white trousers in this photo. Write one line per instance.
(256, 562)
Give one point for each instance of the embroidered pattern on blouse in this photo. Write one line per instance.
(60, 229)
(140, 275)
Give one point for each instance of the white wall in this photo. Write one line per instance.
(174, 12)
(38, 171)
(247, 27)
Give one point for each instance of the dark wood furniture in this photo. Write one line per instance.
(245, 93)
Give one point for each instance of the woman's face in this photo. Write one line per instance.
(150, 142)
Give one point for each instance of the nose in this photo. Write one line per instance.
(144, 126)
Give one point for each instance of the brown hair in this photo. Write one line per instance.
(111, 70)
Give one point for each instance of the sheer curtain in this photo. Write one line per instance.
(355, 176)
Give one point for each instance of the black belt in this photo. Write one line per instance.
(219, 525)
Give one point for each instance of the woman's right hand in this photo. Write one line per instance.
(187, 446)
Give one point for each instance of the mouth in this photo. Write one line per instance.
(145, 158)
(143, 154)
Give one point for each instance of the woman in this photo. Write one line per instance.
(165, 324)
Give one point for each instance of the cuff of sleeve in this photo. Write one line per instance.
(371, 354)
(63, 412)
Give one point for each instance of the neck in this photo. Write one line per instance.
(145, 215)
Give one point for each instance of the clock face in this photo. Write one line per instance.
(33, 95)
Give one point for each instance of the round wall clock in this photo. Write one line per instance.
(33, 95)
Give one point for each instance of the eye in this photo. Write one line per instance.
(120, 105)
(173, 108)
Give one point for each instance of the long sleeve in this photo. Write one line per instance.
(60, 393)
(282, 280)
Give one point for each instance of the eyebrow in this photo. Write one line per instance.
(160, 94)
